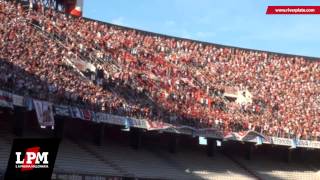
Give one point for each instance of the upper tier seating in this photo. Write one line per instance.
(157, 78)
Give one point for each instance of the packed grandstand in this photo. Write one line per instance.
(155, 77)
(73, 61)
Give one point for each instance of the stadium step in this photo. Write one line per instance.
(122, 171)
(242, 166)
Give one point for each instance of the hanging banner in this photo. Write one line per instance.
(62, 110)
(212, 133)
(76, 113)
(18, 100)
(28, 103)
(113, 119)
(259, 140)
(267, 140)
(44, 113)
(138, 123)
(251, 136)
(155, 125)
(186, 130)
(6, 99)
(281, 141)
(87, 114)
(294, 143)
(308, 144)
(128, 122)
(100, 117)
(236, 136)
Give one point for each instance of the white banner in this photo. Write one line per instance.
(210, 133)
(100, 117)
(138, 123)
(6, 99)
(110, 119)
(44, 113)
(62, 110)
(18, 100)
(308, 144)
(281, 141)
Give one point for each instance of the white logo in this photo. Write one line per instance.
(32, 160)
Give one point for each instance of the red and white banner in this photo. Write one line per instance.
(293, 10)
(87, 114)
(154, 125)
(235, 135)
(44, 112)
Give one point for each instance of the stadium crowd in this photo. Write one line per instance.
(33, 65)
(157, 77)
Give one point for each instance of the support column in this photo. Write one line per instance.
(19, 116)
(211, 147)
(101, 134)
(249, 151)
(59, 126)
(288, 156)
(135, 138)
(173, 143)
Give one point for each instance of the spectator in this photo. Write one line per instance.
(155, 77)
